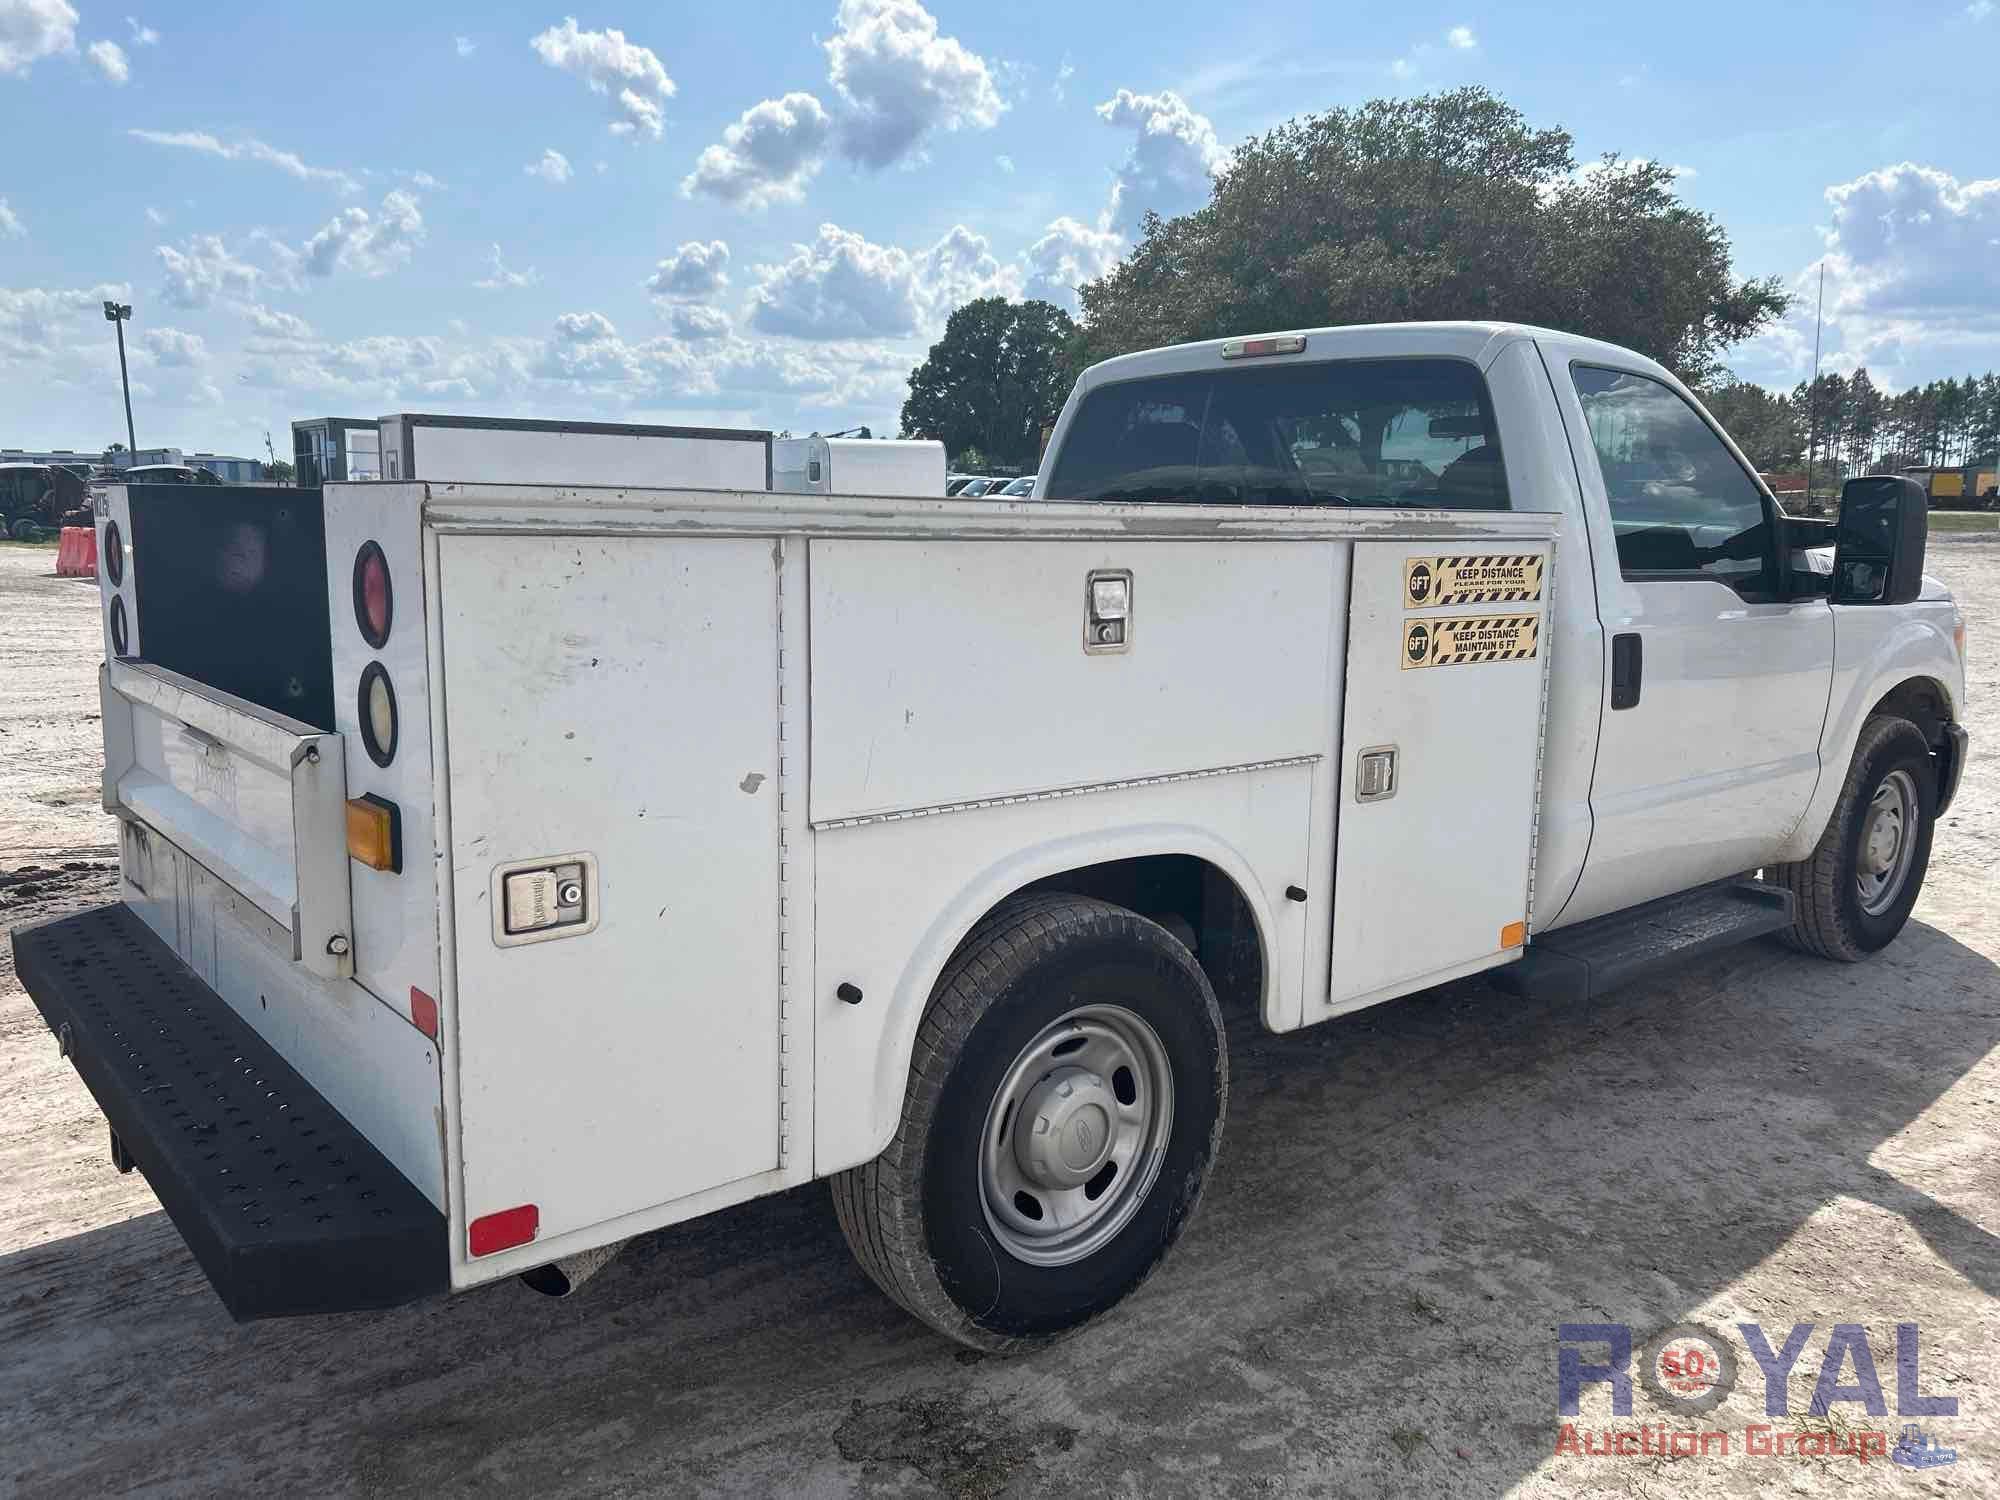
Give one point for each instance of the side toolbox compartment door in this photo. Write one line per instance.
(612, 718)
(1440, 755)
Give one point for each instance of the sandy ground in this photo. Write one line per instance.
(1409, 1203)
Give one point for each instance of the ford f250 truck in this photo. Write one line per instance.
(508, 870)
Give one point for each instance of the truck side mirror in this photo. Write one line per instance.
(1878, 550)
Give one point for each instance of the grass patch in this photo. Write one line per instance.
(1964, 520)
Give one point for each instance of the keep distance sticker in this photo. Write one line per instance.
(1502, 578)
(1469, 639)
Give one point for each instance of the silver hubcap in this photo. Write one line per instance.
(1888, 842)
(1075, 1134)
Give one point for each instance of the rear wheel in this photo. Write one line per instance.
(1855, 891)
(1065, 1101)
(25, 530)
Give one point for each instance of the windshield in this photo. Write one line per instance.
(1403, 432)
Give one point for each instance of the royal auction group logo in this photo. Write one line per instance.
(1687, 1370)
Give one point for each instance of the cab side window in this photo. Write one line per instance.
(1682, 507)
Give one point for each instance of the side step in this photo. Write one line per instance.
(284, 1203)
(1595, 957)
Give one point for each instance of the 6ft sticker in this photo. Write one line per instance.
(1462, 640)
(1508, 578)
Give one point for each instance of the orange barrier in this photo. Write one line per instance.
(76, 552)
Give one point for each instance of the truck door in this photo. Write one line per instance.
(1716, 684)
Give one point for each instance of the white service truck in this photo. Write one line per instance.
(555, 864)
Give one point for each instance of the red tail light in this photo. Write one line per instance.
(374, 599)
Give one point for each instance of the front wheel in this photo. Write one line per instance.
(1065, 1102)
(1855, 891)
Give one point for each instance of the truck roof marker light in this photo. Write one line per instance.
(492, 1233)
(1288, 343)
(424, 1012)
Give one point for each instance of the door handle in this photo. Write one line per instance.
(1628, 658)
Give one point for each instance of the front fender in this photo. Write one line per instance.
(1877, 648)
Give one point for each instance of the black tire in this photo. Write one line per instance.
(916, 1216)
(1831, 919)
(25, 530)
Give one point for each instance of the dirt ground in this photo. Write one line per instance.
(1408, 1205)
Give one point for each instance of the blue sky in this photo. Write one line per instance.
(759, 214)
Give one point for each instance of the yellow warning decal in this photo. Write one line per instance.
(1459, 641)
(1509, 578)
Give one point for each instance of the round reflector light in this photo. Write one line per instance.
(114, 554)
(374, 599)
(376, 708)
(119, 639)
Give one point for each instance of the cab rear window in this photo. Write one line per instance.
(1387, 432)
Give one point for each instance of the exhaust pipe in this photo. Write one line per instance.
(561, 1277)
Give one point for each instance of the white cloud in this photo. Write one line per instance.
(370, 245)
(900, 80)
(842, 286)
(251, 149)
(276, 323)
(605, 61)
(464, 46)
(767, 156)
(1910, 289)
(154, 216)
(33, 29)
(1462, 38)
(503, 279)
(171, 346)
(695, 271)
(1979, 10)
(1060, 88)
(203, 269)
(1005, 163)
(422, 180)
(696, 323)
(554, 167)
(1068, 254)
(142, 36)
(11, 227)
(30, 317)
(1173, 157)
(109, 59)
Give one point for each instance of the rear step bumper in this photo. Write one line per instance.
(1597, 956)
(285, 1205)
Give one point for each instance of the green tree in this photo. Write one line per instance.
(1446, 206)
(278, 471)
(1765, 424)
(993, 381)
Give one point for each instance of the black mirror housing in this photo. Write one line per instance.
(1878, 550)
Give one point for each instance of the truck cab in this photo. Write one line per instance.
(512, 868)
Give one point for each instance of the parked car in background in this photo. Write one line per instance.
(953, 483)
(167, 474)
(1020, 489)
(973, 488)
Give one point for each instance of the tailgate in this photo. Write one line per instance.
(256, 798)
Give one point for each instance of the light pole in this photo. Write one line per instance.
(116, 313)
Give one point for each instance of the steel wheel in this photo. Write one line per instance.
(1075, 1134)
(1888, 842)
